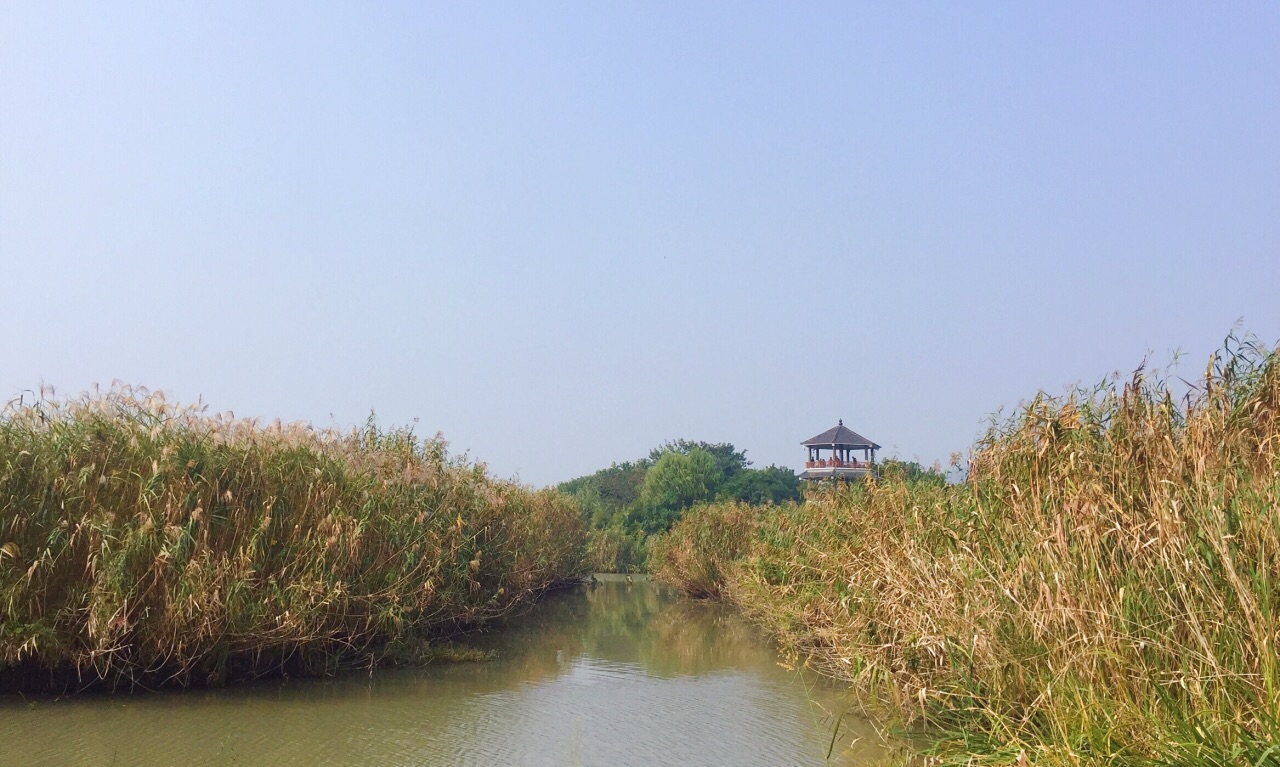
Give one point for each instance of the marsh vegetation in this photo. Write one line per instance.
(143, 543)
(1099, 589)
(1102, 589)
(629, 502)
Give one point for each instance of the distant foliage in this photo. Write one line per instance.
(605, 493)
(675, 482)
(649, 495)
(728, 461)
(759, 487)
(910, 471)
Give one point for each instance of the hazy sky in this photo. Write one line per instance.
(564, 233)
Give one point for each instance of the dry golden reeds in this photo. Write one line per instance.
(144, 543)
(1101, 590)
(708, 539)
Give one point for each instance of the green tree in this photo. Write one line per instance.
(773, 484)
(676, 481)
(605, 495)
(729, 461)
(651, 493)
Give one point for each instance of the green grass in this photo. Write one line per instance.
(1101, 590)
(143, 543)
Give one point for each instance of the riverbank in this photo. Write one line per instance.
(142, 543)
(1101, 590)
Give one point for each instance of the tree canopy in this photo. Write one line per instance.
(648, 495)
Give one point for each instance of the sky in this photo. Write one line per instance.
(564, 233)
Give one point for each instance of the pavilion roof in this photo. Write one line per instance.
(840, 436)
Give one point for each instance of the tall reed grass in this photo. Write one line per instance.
(614, 550)
(147, 543)
(697, 555)
(1101, 590)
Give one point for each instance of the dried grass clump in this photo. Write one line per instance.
(703, 545)
(1102, 589)
(147, 543)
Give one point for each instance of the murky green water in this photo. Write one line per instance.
(619, 674)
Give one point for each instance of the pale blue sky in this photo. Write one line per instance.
(564, 233)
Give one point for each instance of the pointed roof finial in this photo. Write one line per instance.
(841, 422)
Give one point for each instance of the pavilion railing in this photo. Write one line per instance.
(836, 463)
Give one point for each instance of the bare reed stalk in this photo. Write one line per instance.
(1102, 590)
(145, 543)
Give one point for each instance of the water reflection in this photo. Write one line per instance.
(620, 674)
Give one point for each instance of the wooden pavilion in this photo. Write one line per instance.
(841, 463)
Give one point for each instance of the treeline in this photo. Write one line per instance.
(1103, 589)
(628, 502)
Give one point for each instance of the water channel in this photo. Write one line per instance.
(616, 674)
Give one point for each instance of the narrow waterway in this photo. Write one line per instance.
(616, 674)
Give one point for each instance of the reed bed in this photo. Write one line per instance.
(144, 543)
(698, 554)
(1101, 590)
(615, 550)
